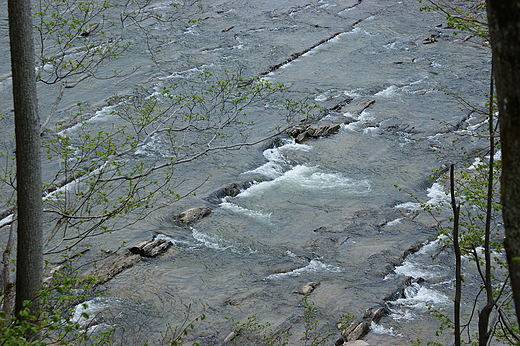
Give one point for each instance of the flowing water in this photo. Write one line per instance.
(324, 210)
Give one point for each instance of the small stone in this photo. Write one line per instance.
(307, 288)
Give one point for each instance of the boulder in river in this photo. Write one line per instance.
(331, 124)
(302, 132)
(307, 288)
(356, 330)
(109, 268)
(191, 215)
(356, 107)
(375, 313)
(151, 248)
(229, 190)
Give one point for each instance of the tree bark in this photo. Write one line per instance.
(504, 29)
(29, 259)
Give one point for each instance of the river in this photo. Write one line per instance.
(325, 210)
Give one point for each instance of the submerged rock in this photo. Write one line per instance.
(358, 106)
(109, 268)
(307, 288)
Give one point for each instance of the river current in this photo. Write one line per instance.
(324, 210)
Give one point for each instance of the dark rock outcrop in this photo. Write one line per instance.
(151, 248)
(331, 123)
(357, 329)
(229, 190)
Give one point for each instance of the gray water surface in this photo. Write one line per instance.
(327, 211)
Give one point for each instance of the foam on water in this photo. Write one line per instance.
(291, 254)
(437, 195)
(62, 190)
(419, 264)
(334, 94)
(389, 91)
(276, 162)
(155, 146)
(204, 240)
(92, 308)
(185, 73)
(100, 116)
(314, 266)
(418, 299)
(310, 178)
(74, 186)
(394, 222)
(371, 130)
(270, 170)
(282, 174)
(321, 180)
(175, 242)
(393, 90)
(417, 270)
(210, 241)
(382, 330)
(244, 211)
(361, 119)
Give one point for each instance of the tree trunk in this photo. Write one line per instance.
(458, 259)
(504, 29)
(29, 261)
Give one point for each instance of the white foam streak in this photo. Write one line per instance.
(418, 299)
(409, 268)
(313, 267)
(276, 162)
(309, 178)
(75, 185)
(437, 195)
(362, 119)
(100, 116)
(244, 211)
(209, 241)
(382, 330)
(412, 266)
(393, 90)
(394, 222)
(85, 312)
(388, 92)
(187, 73)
